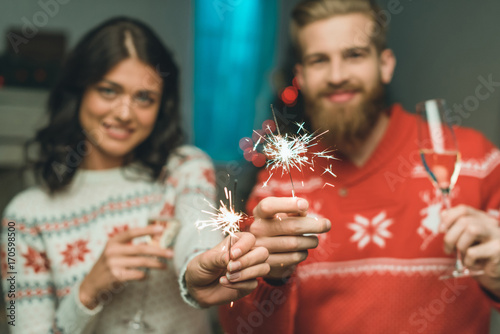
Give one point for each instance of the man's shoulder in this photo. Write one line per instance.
(472, 143)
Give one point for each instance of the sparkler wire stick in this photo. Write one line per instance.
(286, 164)
(231, 204)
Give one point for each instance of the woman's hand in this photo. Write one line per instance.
(122, 261)
(213, 279)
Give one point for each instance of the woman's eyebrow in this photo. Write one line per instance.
(149, 91)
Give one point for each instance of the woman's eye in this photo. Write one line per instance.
(144, 99)
(107, 92)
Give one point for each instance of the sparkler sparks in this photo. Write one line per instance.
(225, 218)
(285, 152)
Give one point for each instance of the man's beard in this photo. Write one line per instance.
(348, 126)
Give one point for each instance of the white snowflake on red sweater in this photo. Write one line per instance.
(367, 230)
(75, 252)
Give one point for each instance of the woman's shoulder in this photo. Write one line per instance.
(26, 202)
(188, 154)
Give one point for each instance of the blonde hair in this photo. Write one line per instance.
(309, 11)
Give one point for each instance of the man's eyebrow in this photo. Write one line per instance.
(366, 48)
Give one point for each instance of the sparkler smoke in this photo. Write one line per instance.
(284, 152)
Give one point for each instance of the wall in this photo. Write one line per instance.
(171, 19)
(443, 48)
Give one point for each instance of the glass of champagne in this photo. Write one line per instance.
(441, 160)
(157, 215)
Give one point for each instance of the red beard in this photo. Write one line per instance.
(348, 125)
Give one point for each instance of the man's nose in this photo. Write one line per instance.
(337, 72)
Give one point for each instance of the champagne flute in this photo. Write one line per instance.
(441, 160)
(156, 216)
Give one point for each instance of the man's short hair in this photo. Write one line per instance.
(309, 11)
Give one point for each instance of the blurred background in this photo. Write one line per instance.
(235, 59)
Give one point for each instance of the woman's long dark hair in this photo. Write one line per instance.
(61, 142)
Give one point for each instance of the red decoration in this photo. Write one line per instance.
(75, 252)
(116, 230)
(209, 175)
(37, 260)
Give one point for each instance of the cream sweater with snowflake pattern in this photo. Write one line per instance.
(58, 239)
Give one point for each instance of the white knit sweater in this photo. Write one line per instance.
(58, 239)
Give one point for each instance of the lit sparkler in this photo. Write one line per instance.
(225, 217)
(289, 151)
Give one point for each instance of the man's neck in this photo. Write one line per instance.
(360, 153)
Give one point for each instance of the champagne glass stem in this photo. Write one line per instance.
(459, 266)
(145, 292)
(137, 323)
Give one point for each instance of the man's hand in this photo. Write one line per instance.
(213, 279)
(280, 226)
(476, 235)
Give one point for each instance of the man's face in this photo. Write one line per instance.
(342, 77)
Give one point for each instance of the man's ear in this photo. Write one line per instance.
(387, 65)
(299, 74)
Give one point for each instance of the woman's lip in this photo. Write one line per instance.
(117, 132)
(341, 97)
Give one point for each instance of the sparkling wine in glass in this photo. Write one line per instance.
(156, 216)
(441, 160)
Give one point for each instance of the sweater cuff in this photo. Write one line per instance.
(73, 316)
(186, 296)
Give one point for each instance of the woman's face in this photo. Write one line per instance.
(119, 112)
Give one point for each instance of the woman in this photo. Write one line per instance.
(114, 126)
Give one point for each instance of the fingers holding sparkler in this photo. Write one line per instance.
(272, 206)
(281, 228)
(247, 263)
(213, 279)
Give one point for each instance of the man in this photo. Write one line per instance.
(378, 269)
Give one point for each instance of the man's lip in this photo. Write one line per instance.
(341, 96)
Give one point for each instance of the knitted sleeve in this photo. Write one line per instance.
(490, 190)
(27, 283)
(193, 176)
(268, 309)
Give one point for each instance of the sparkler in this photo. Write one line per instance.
(284, 152)
(225, 217)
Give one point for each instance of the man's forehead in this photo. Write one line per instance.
(337, 33)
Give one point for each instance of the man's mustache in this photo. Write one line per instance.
(334, 89)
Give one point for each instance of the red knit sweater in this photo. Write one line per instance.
(377, 270)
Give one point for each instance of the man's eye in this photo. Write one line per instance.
(355, 54)
(316, 61)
